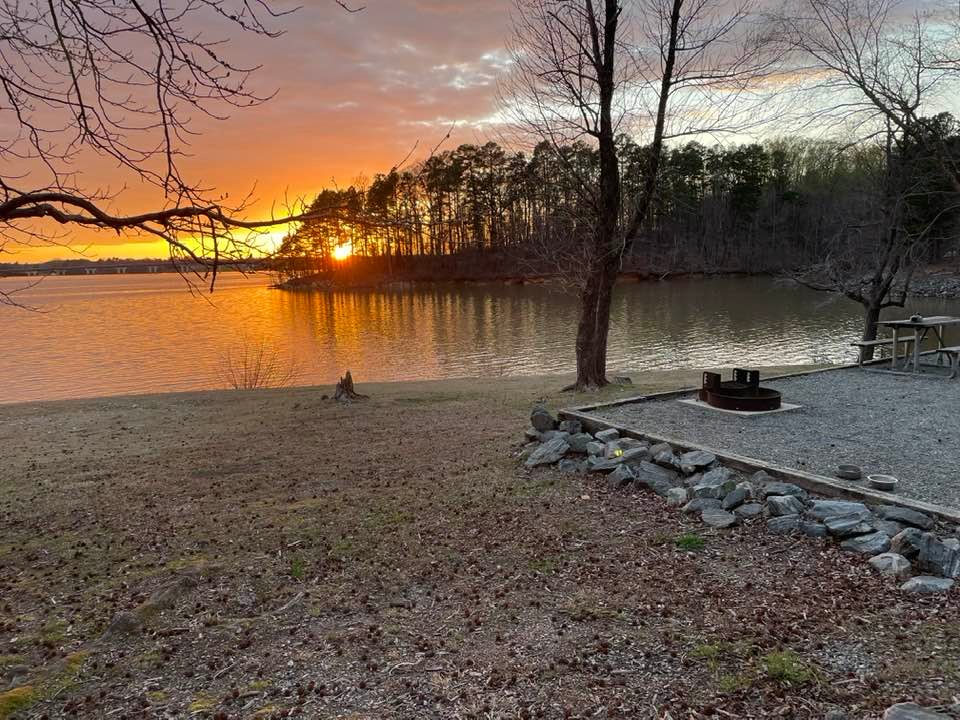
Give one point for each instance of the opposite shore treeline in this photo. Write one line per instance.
(479, 212)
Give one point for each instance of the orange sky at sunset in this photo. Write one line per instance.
(355, 92)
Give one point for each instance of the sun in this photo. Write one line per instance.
(342, 252)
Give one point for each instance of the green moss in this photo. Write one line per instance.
(690, 542)
(789, 668)
(298, 569)
(16, 699)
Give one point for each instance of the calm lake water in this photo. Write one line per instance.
(106, 335)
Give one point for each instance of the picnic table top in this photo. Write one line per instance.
(931, 321)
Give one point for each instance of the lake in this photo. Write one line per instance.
(120, 334)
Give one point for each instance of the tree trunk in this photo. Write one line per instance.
(871, 316)
(594, 327)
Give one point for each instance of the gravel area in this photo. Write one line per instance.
(892, 424)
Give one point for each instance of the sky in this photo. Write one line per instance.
(355, 94)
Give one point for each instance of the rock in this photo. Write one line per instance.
(891, 528)
(527, 450)
(693, 480)
(870, 545)
(938, 557)
(844, 526)
(813, 529)
(531, 433)
(607, 435)
(891, 565)
(718, 518)
(124, 623)
(912, 711)
(906, 516)
(760, 477)
(822, 509)
(568, 465)
(601, 464)
(715, 484)
(541, 419)
(836, 714)
(620, 478)
(952, 543)
(677, 496)
(548, 453)
(573, 427)
(595, 448)
(647, 471)
(695, 460)
(749, 510)
(779, 505)
(580, 442)
(553, 435)
(667, 458)
(782, 488)
(615, 448)
(659, 448)
(698, 505)
(783, 524)
(926, 584)
(907, 543)
(735, 498)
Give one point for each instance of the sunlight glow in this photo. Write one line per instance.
(342, 252)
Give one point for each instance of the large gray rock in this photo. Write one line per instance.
(718, 518)
(570, 466)
(716, 484)
(891, 565)
(822, 509)
(677, 496)
(601, 464)
(620, 478)
(654, 477)
(813, 529)
(607, 435)
(531, 433)
(748, 510)
(907, 543)
(869, 545)
(595, 448)
(938, 557)
(548, 453)
(905, 516)
(698, 505)
(924, 584)
(553, 435)
(541, 419)
(659, 448)
(615, 448)
(844, 526)
(580, 443)
(912, 711)
(573, 427)
(779, 505)
(890, 527)
(695, 460)
(667, 458)
(736, 497)
(783, 524)
(782, 488)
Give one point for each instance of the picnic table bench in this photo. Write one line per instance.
(922, 327)
(882, 342)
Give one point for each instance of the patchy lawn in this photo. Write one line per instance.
(269, 553)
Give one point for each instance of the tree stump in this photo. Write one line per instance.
(344, 391)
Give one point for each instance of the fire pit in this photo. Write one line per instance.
(743, 393)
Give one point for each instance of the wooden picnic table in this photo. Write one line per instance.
(921, 327)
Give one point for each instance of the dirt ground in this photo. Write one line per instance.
(273, 554)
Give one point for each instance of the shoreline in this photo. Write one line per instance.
(547, 385)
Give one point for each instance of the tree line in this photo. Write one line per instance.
(765, 207)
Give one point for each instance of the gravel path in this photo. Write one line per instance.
(897, 425)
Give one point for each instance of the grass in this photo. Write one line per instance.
(690, 542)
(787, 667)
(298, 569)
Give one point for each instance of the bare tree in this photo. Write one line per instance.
(585, 71)
(881, 72)
(118, 82)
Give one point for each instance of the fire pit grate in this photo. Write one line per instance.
(743, 393)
